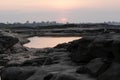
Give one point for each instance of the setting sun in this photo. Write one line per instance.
(63, 20)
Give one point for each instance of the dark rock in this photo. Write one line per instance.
(83, 70)
(38, 61)
(98, 66)
(3, 62)
(13, 64)
(116, 50)
(79, 49)
(101, 48)
(87, 48)
(112, 73)
(65, 77)
(18, 48)
(63, 45)
(6, 42)
(48, 77)
(106, 47)
(60, 76)
(16, 73)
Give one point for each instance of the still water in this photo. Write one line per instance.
(44, 42)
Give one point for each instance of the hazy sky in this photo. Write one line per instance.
(59, 10)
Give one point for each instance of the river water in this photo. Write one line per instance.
(44, 42)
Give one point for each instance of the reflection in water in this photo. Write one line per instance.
(43, 42)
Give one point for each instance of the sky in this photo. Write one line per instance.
(76, 11)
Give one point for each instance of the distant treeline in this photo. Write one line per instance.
(103, 25)
(41, 27)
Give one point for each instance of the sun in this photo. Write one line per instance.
(63, 20)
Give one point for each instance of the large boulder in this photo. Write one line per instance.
(106, 46)
(79, 50)
(101, 47)
(6, 42)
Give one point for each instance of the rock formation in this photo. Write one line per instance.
(90, 58)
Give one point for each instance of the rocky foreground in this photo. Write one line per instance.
(90, 58)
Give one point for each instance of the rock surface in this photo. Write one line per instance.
(17, 73)
(89, 58)
(79, 50)
(6, 42)
(112, 73)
